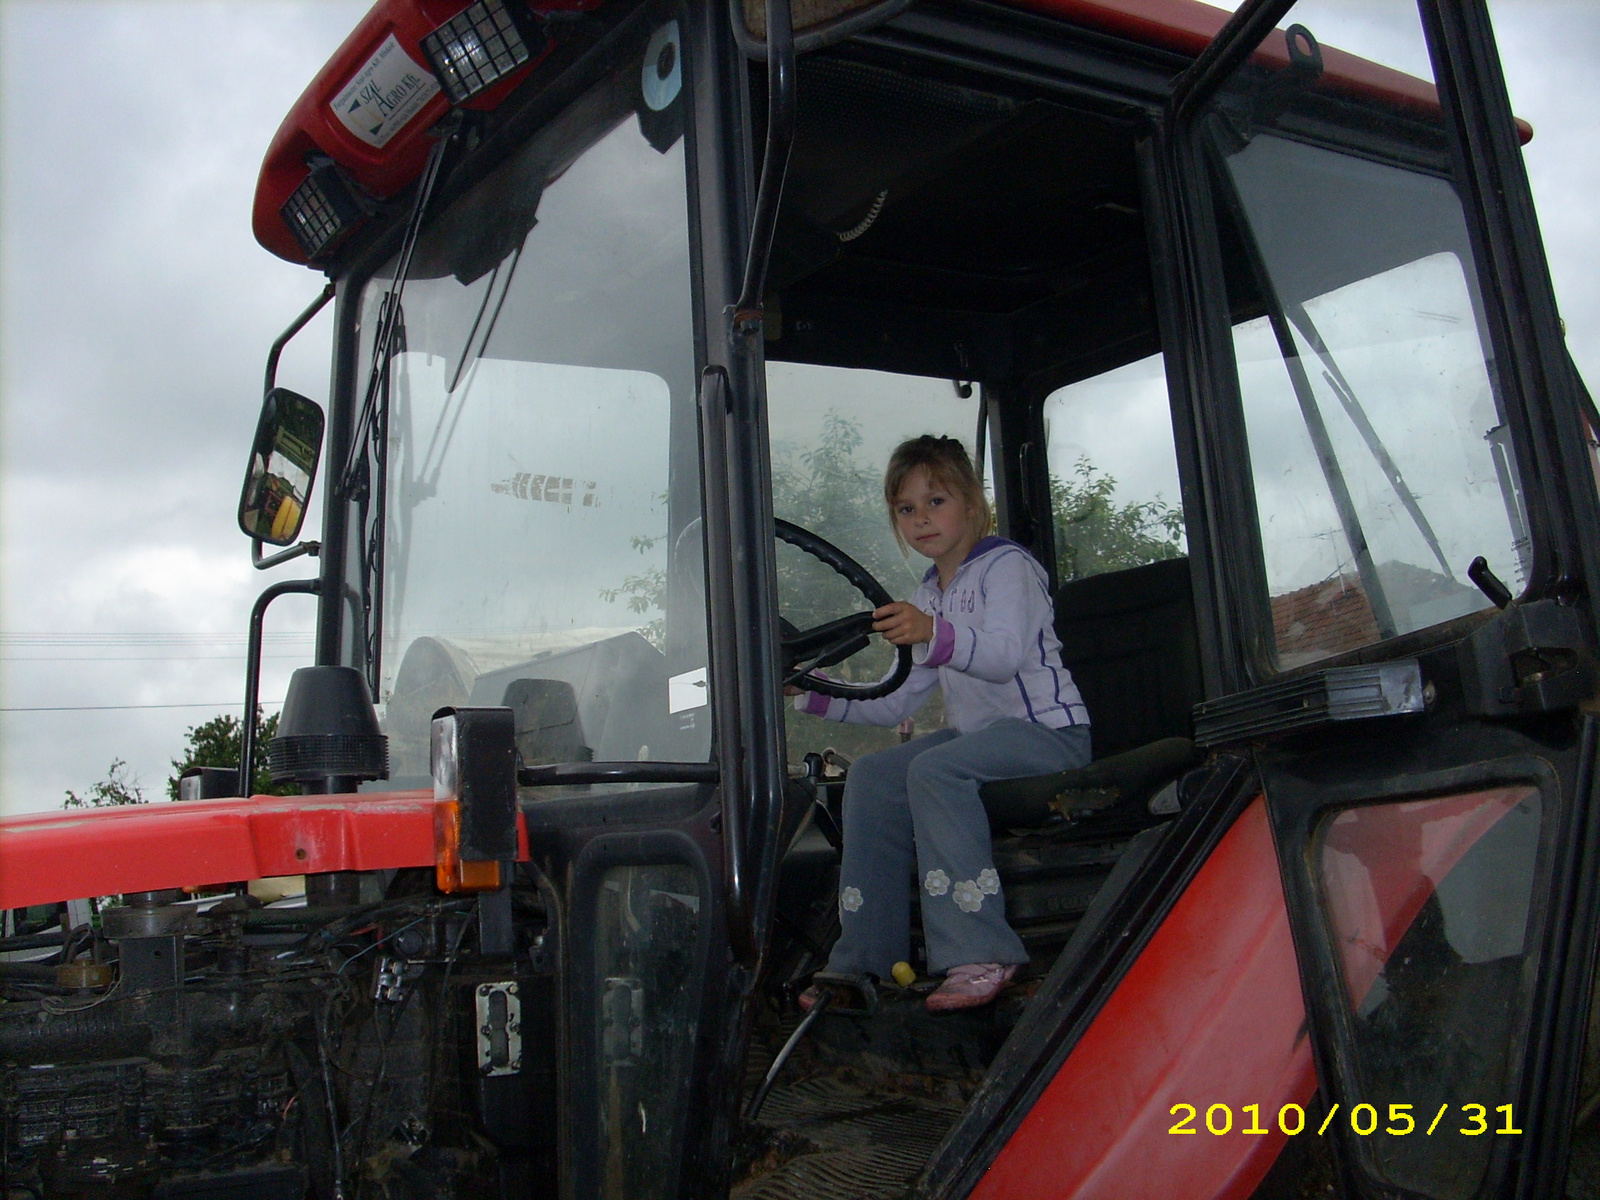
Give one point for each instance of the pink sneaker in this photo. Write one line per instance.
(970, 986)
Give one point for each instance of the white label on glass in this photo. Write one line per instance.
(687, 690)
(384, 94)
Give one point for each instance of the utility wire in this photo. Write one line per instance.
(104, 658)
(97, 638)
(126, 707)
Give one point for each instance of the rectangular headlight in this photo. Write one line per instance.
(321, 210)
(479, 46)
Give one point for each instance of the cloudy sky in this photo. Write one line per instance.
(136, 311)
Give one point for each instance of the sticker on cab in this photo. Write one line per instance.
(687, 691)
(388, 90)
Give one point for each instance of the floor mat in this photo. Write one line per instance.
(838, 1139)
(847, 1119)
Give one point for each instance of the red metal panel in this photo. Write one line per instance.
(312, 128)
(68, 855)
(1185, 26)
(1181, 26)
(1210, 1013)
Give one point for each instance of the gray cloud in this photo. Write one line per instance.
(137, 310)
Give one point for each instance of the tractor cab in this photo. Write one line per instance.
(1252, 343)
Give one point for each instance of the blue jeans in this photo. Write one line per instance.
(918, 804)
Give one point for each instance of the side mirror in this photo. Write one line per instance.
(283, 466)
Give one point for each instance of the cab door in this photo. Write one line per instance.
(1391, 453)
(538, 521)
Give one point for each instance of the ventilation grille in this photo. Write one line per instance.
(317, 756)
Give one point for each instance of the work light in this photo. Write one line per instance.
(480, 46)
(322, 209)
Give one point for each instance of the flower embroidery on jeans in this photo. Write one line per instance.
(937, 883)
(988, 881)
(850, 899)
(967, 896)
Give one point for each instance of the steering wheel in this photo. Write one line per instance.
(808, 650)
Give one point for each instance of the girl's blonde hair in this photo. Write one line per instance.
(947, 464)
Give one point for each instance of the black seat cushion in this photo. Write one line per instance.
(1111, 793)
(1129, 639)
(548, 728)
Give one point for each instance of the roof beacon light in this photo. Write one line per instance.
(322, 209)
(481, 45)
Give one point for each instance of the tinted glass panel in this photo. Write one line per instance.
(648, 927)
(1430, 906)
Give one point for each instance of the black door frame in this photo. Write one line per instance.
(1544, 408)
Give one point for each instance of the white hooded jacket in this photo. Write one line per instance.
(994, 651)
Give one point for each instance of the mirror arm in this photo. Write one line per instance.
(252, 671)
(295, 327)
(282, 556)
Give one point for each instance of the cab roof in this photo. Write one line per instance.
(384, 165)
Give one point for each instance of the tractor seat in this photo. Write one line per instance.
(1109, 797)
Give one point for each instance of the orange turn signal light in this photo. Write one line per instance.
(451, 874)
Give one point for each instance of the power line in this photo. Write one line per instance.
(96, 638)
(98, 658)
(126, 707)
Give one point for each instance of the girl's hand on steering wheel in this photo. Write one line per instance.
(903, 624)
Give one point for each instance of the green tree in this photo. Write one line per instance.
(831, 491)
(114, 790)
(1095, 535)
(646, 592)
(216, 743)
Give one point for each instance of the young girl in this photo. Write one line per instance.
(982, 628)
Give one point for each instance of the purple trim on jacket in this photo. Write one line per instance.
(814, 703)
(982, 546)
(1004, 658)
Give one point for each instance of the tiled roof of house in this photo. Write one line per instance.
(1323, 619)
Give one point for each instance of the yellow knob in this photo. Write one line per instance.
(903, 974)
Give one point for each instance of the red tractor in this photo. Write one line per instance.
(1254, 343)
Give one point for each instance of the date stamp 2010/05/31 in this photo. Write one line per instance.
(1365, 1120)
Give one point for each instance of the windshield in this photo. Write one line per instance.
(538, 541)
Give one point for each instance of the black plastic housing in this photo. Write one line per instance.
(480, 773)
(328, 738)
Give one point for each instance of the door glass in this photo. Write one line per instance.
(1430, 907)
(646, 933)
(1591, 437)
(833, 429)
(1377, 438)
(1113, 473)
(540, 541)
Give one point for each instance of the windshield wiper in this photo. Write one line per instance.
(1358, 417)
(389, 316)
